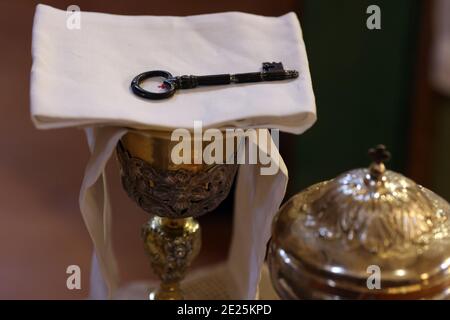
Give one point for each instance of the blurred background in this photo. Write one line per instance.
(387, 86)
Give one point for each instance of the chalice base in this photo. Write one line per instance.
(208, 283)
(167, 292)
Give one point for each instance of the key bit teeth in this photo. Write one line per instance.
(272, 66)
(292, 74)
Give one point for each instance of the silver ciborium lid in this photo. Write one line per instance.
(368, 234)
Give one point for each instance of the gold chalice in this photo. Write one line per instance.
(174, 194)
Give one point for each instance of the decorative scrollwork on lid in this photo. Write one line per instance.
(174, 193)
(392, 215)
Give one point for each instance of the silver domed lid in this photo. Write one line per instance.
(331, 238)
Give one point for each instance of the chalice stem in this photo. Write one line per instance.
(172, 244)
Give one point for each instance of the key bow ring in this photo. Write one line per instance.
(271, 71)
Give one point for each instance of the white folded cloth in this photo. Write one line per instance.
(88, 70)
(81, 77)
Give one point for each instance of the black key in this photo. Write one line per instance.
(271, 71)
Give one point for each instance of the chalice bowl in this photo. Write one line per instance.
(174, 195)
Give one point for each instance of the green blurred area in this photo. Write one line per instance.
(441, 147)
(362, 81)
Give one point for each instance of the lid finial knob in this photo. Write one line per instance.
(379, 155)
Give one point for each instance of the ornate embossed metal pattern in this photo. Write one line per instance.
(391, 217)
(174, 193)
(171, 246)
(325, 238)
(169, 252)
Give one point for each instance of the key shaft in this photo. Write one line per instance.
(191, 81)
(271, 71)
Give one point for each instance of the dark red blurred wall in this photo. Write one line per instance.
(41, 231)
